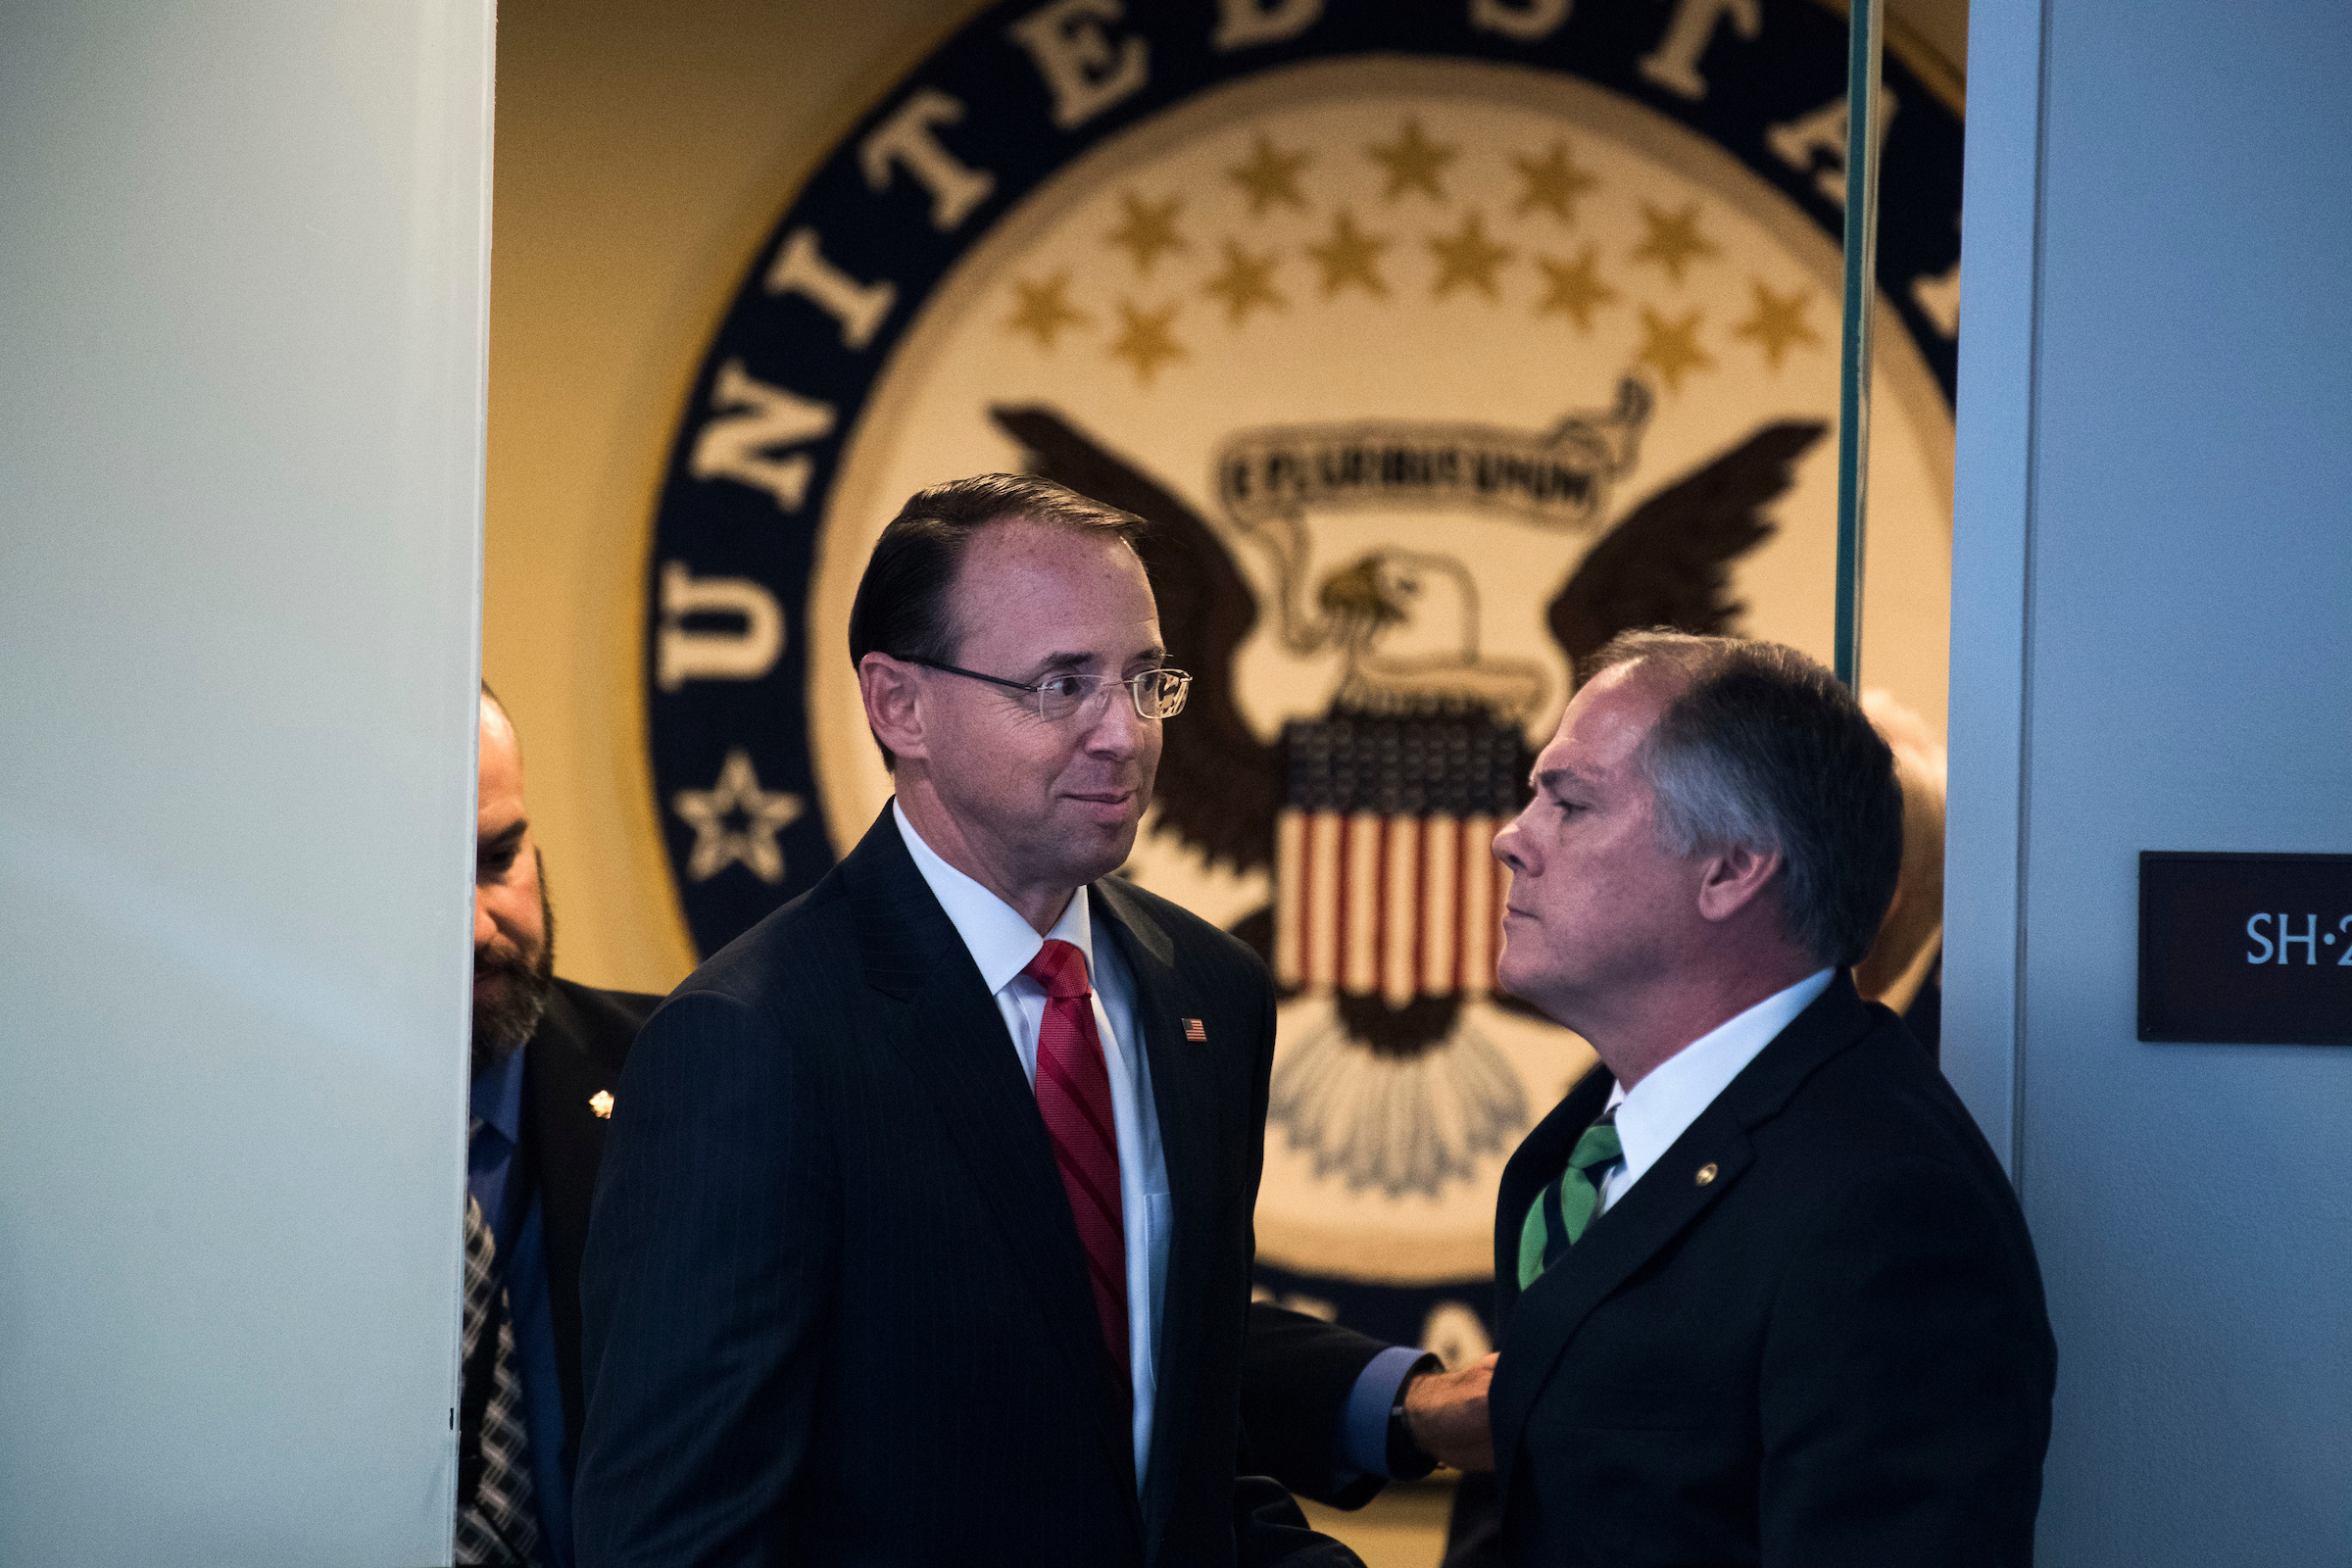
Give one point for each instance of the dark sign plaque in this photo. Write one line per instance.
(2245, 949)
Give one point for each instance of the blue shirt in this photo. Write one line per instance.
(519, 1230)
(1363, 1446)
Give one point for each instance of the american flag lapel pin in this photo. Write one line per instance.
(1193, 1029)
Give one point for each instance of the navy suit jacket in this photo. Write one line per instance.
(1812, 1334)
(836, 1307)
(576, 1052)
(1296, 1374)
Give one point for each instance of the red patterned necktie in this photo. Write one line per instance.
(1073, 1095)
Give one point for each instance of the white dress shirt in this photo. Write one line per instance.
(1002, 943)
(1664, 1104)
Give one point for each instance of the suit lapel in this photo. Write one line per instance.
(953, 1038)
(1182, 1099)
(563, 1076)
(1550, 1312)
(559, 1079)
(1667, 1200)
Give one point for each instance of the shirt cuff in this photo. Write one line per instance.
(1364, 1429)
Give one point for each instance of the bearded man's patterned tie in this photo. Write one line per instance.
(498, 1517)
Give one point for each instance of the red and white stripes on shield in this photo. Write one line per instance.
(1398, 907)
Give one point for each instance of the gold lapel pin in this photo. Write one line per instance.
(1706, 1172)
(601, 1104)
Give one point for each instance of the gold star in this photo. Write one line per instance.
(1573, 289)
(1413, 161)
(1043, 312)
(1270, 176)
(1778, 323)
(1245, 281)
(1555, 182)
(1145, 342)
(737, 797)
(1673, 349)
(1467, 258)
(1148, 230)
(1347, 257)
(1673, 240)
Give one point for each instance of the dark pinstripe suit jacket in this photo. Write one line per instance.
(836, 1307)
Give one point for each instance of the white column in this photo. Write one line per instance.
(243, 299)
(2152, 650)
(1992, 526)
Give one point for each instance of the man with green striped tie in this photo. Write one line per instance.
(1765, 1294)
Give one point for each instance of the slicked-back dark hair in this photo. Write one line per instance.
(1763, 748)
(903, 606)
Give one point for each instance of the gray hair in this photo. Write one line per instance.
(1761, 748)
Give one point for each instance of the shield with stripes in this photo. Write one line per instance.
(1386, 884)
(1388, 907)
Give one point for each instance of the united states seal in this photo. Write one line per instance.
(1437, 345)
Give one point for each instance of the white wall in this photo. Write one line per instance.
(2152, 649)
(242, 313)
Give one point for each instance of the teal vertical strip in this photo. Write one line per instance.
(1865, 27)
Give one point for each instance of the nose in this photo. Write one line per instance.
(1509, 848)
(1113, 726)
(485, 929)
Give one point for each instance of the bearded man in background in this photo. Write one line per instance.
(547, 1053)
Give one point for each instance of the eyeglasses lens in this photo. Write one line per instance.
(1156, 693)
(1162, 693)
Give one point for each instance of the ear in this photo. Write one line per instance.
(1732, 880)
(894, 709)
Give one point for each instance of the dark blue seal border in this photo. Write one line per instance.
(985, 100)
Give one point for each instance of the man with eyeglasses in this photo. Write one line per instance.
(924, 1234)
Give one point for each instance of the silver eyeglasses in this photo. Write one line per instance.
(1156, 693)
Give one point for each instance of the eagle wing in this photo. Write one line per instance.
(1669, 562)
(1220, 787)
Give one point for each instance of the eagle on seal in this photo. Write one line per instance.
(1396, 1091)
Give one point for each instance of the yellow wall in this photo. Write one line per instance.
(642, 152)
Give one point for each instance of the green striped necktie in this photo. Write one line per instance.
(1562, 1211)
